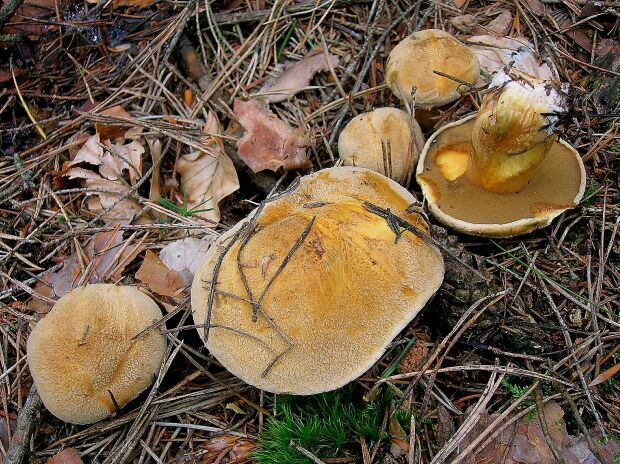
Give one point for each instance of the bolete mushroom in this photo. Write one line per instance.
(503, 172)
(412, 63)
(305, 295)
(84, 359)
(385, 140)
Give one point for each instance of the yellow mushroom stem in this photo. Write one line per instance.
(512, 134)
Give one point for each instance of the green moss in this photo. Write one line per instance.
(325, 425)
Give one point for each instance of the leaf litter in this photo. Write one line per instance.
(269, 142)
(243, 44)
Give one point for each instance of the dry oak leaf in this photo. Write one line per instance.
(109, 131)
(105, 256)
(524, 442)
(156, 275)
(109, 185)
(269, 142)
(297, 76)
(207, 177)
(499, 26)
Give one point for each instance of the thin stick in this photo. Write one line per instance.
(26, 422)
(392, 218)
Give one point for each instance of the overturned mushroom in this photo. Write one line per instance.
(306, 294)
(413, 65)
(385, 140)
(84, 358)
(503, 172)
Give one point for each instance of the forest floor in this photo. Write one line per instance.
(150, 74)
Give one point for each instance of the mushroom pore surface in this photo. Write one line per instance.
(557, 184)
(83, 352)
(348, 288)
(384, 140)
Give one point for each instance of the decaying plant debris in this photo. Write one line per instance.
(145, 91)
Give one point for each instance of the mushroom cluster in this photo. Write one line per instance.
(84, 356)
(305, 294)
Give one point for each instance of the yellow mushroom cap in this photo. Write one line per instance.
(412, 62)
(385, 140)
(348, 288)
(557, 184)
(83, 350)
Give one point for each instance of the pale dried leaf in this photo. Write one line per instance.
(119, 158)
(104, 248)
(91, 152)
(494, 53)
(269, 142)
(296, 76)
(185, 254)
(154, 273)
(109, 185)
(499, 26)
(66, 456)
(464, 23)
(207, 177)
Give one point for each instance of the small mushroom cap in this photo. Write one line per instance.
(83, 350)
(381, 140)
(557, 184)
(349, 286)
(413, 60)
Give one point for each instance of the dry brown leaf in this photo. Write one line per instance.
(154, 273)
(66, 456)
(464, 23)
(134, 3)
(207, 177)
(110, 185)
(499, 26)
(109, 254)
(494, 53)
(296, 76)
(229, 449)
(608, 374)
(524, 442)
(112, 132)
(21, 23)
(269, 142)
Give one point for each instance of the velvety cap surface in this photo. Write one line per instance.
(348, 288)
(83, 351)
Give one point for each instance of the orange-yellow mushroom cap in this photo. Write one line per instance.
(83, 352)
(349, 285)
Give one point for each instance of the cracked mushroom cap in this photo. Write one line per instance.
(82, 353)
(557, 184)
(333, 284)
(385, 140)
(412, 62)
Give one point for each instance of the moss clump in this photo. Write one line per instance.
(325, 424)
